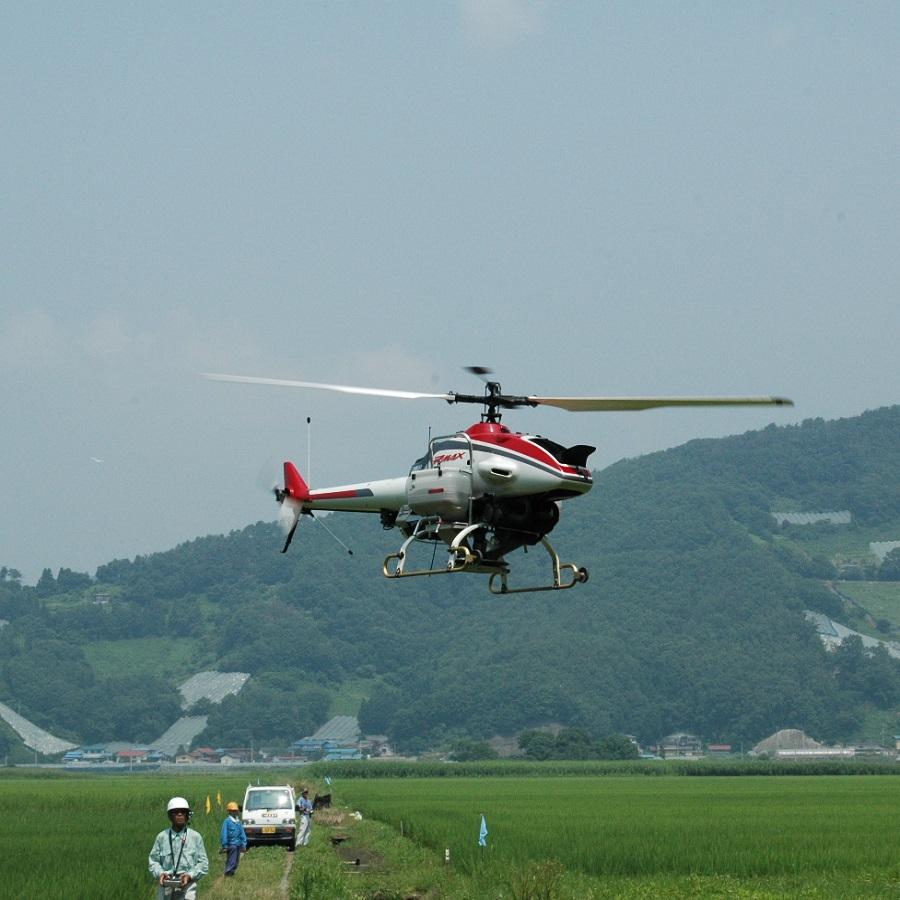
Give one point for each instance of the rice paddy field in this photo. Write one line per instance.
(627, 836)
(829, 836)
(89, 836)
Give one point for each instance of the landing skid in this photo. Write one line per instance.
(579, 575)
(463, 559)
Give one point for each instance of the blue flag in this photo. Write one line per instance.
(482, 835)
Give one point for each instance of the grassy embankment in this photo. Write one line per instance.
(881, 599)
(647, 837)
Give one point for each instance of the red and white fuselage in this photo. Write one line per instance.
(459, 471)
(485, 491)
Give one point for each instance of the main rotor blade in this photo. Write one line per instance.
(572, 404)
(342, 388)
(623, 404)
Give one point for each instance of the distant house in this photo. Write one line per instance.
(237, 754)
(204, 755)
(338, 738)
(95, 753)
(718, 749)
(313, 746)
(871, 751)
(339, 753)
(134, 755)
(376, 745)
(680, 745)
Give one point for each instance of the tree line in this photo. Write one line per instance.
(692, 620)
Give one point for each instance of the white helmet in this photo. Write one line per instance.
(178, 803)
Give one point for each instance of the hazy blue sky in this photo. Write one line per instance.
(592, 198)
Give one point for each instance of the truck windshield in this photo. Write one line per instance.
(268, 800)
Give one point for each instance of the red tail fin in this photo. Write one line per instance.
(294, 483)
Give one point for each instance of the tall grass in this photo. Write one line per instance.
(89, 837)
(632, 826)
(368, 769)
(580, 836)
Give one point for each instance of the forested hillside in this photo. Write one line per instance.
(692, 619)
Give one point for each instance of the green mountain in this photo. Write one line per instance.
(693, 618)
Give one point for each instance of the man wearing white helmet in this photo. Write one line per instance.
(178, 859)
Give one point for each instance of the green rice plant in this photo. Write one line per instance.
(576, 837)
(318, 880)
(88, 836)
(389, 769)
(536, 881)
(639, 828)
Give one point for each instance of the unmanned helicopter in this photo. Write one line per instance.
(482, 492)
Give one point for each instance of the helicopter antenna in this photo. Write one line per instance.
(309, 448)
(317, 519)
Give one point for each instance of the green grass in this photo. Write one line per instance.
(59, 835)
(549, 838)
(144, 656)
(549, 769)
(633, 826)
(349, 697)
(848, 541)
(880, 598)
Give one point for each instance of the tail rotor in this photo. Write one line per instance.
(291, 499)
(288, 517)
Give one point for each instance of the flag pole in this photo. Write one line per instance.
(482, 836)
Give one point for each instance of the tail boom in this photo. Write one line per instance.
(370, 496)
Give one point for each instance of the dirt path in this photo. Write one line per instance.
(284, 886)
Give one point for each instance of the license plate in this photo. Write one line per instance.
(268, 830)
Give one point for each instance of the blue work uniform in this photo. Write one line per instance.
(233, 838)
